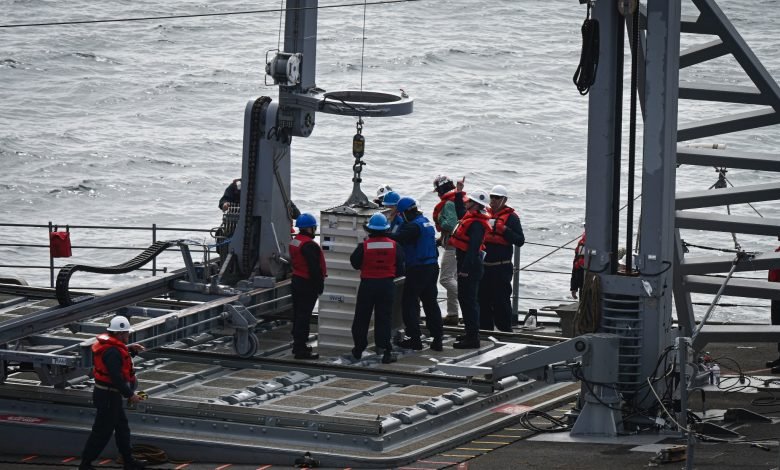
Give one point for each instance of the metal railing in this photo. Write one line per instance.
(154, 230)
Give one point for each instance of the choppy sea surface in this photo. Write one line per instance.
(140, 123)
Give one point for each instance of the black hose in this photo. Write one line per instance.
(585, 75)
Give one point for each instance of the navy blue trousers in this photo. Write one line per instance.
(420, 285)
(110, 419)
(375, 296)
(495, 292)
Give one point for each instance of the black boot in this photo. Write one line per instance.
(134, 464)
(411, 343)
(436, 345)
(356, 353)
(388, 358)
(86, 466)
(774, 363)
(469, 342)
(306, 354)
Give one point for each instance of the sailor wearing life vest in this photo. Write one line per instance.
(380, 260)
(578, 268)
(114, 382)
(468, 240)
(495, 289)
(417, 236)
(308, 282)
(445, 218)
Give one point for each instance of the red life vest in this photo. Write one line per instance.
(448, 196)
(299, 265)
(460, 238)
(774, 274)
(378, 258)
(579, 253)
(495, 235)
(100, 371)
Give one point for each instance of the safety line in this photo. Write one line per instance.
(199, 15)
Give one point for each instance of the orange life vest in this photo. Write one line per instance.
(495, 235)
(100, 371)
(579, 253)
(460, 238)
(378, 258)
(448, 196)
(299, 265)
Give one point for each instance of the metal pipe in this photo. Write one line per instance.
(516, 285)
(270, 301)
(715, 300)
(617, 133)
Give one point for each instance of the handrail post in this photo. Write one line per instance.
(154, 240)
(516, 286)
(51, 259)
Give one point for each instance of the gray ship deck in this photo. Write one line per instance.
(512, 446)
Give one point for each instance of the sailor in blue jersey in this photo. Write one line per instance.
(308, 282)
(379, 260)
(417, 236)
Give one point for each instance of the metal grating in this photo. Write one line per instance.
(622, 317)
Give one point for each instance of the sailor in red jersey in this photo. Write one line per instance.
(468, 239)
(578, 268)
(495, 289)
(114, 382)
(308, 282)
(380, 260)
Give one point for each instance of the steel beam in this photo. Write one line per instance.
(725, 125)
(736, 334)
(702, 53)
(722, 264)
(728, 223)
(727, 158)
(722, 93)
(735, 287)
(726, 196)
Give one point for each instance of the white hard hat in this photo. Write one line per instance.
(479, 196)
(382, 190)
(119, 323)
(499, 190)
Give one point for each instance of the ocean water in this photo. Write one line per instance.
(135, 123)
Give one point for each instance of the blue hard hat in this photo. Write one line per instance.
(378, 221)
(305, 220)
(406, 203)
(391, 199)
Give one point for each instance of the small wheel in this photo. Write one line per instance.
(251, 350)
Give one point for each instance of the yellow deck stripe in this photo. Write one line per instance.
(490, 442)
